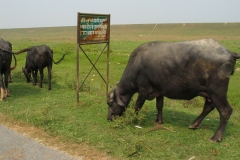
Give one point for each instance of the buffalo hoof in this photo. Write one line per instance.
(216, 139)
(193, 127)
(3, 99)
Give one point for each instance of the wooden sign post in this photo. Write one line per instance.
(92, 29)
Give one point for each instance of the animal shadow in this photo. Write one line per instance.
(180, 119)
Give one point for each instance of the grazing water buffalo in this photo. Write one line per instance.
(181, 70)
(39, 57)
(5, 66)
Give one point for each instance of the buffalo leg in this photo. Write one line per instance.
(159, 105)
(9, 78)
(2, 94)
(7, 93)
(41, 77)
(49, 78)
(1, 86)
(225, 111)
(139, 103)
(6, 83)
(208, 107)
(34, 75)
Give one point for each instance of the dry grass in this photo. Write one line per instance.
(138, 32)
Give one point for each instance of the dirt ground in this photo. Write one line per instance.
(89, 153)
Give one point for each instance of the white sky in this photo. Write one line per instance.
(50, 13)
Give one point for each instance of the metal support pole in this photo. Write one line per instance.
(77, 79)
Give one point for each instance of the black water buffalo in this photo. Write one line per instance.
(39, 57)
(181, 70)
(5, 66)
(7, 43)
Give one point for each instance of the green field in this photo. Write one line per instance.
(56, 113)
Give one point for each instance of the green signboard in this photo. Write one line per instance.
(93, 28)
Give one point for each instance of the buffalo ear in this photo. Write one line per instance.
(120, 102)
(118, 99)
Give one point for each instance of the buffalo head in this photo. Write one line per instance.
(115, 105)
(27, 73)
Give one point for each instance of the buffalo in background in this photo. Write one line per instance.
(181, 70)
(7, 43)
(5, 66)
(39, 57)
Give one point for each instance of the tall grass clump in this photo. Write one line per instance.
(130, 118)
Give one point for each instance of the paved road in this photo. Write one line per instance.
(15, 146)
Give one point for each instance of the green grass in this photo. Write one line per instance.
(57, 113)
